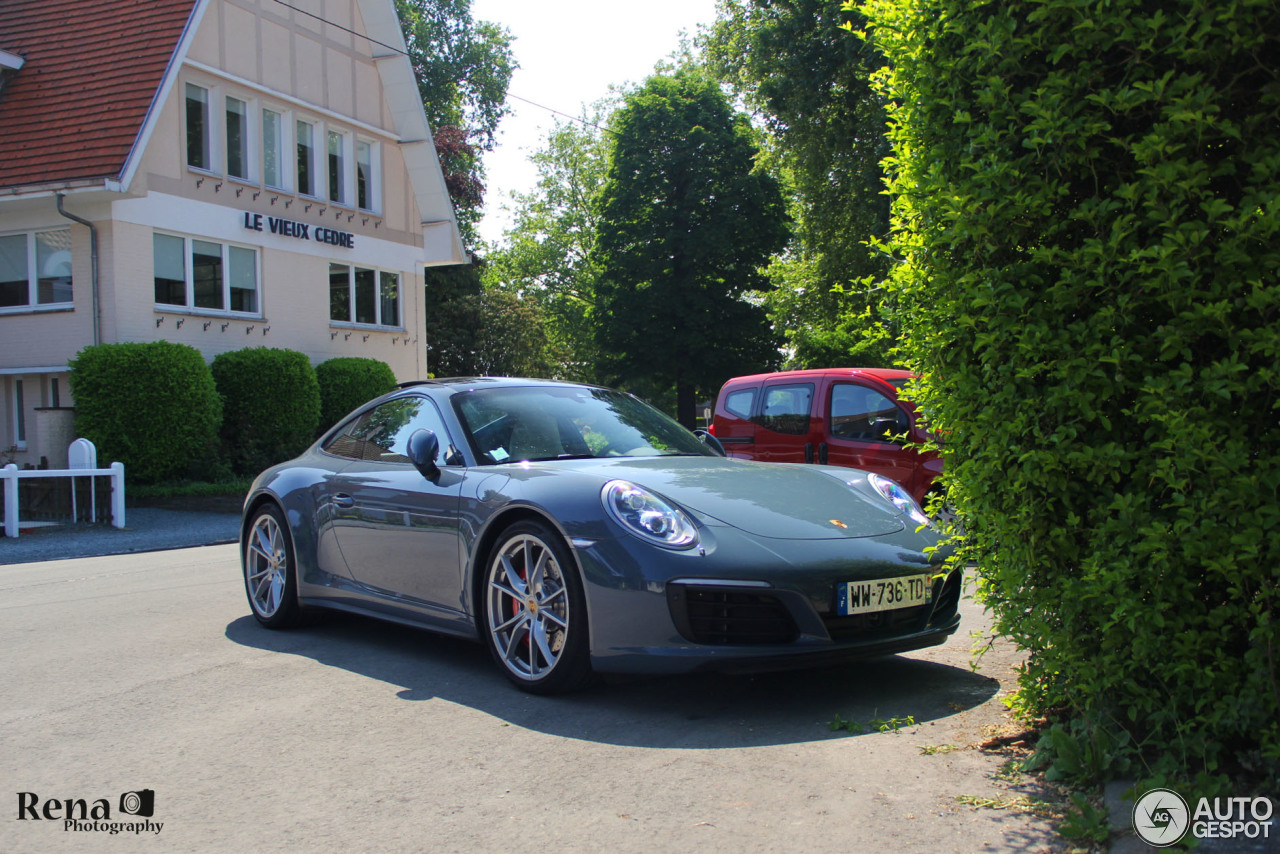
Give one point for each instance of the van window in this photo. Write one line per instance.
(740, 402)
(865, 415)
(786, 409)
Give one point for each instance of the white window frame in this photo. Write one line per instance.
(378, 273)
(188, 267)
(346, 167)
(211, 129)
(375, 175)
(319, 166)
(287, 152)
(251, 133)
(33, 276)
(17, 403)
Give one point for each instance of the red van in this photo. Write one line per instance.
(832, 416)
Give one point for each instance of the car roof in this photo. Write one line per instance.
(879, 373)
(469, 383)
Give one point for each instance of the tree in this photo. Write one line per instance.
(1085, 209)
(463, 68)
(685, 224)
(548, 254)
(809, 84)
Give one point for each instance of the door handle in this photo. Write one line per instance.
(822, 453)
(341, 499)
(808, 452)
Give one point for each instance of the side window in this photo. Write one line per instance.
(740, 402)
(386, 430)
(345, 443)
(865, 415)
(786, 409)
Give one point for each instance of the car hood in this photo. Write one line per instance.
(773, 500)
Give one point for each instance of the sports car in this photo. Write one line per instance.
(575, 529)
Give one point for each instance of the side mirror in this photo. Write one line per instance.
(423, 448)
(711, 442)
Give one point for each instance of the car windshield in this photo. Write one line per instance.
(567, 422)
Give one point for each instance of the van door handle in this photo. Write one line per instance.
(808, 452)
(341, 499)
(822, 453)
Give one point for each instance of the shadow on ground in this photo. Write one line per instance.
(694, 711)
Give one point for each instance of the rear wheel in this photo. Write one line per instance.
(535, 614)
(270, 576)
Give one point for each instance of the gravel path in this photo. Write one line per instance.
(149, 529)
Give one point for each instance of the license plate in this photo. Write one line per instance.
(883, 594)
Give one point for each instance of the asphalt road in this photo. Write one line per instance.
(144, 671)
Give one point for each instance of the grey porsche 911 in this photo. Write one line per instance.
(575, 529)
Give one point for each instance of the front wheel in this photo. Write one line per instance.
(535, 614)
(270, 578)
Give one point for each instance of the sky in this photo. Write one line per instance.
(570, 52)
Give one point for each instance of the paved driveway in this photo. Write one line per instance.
(137, 672)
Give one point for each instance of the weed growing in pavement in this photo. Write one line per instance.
(876, 724)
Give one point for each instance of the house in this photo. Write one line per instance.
(218, 173)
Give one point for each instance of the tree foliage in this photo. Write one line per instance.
(809, 83)
(463, 68)
(685, 224)
(1087, 207)
(472, 331)
(548, 256)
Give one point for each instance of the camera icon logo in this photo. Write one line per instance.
(141, 802)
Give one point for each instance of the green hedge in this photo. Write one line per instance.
(151, 406)
(347, 382)
(1087, 210)
(271, 406)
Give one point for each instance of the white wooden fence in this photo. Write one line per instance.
(83, 459)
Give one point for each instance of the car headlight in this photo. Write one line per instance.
(648, 516)
(899, 497)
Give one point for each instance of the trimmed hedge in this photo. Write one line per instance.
(271, 406)
(151, 406)
(1087, 210)
(348, 381)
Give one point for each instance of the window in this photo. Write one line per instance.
(368, 296)
(205, 275)
(198, 155)
(739, 403)
(337, 168)
(55, 393)
(19, 416)
(35, 269)
(389, 308)
(364, 175)
(865, 415)
(786, 409)
(272, 149)
(383, 434)
(306, 159)
(237, 138)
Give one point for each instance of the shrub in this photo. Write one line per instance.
(271, 406)
(1086, 212)
(347, 382)
(151, 406)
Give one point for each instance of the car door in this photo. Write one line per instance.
(784, 416)
(868, 429)
(733, 425)
(397, 530)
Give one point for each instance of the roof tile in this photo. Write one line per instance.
(92, 70)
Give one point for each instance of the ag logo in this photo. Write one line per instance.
(1161, 817)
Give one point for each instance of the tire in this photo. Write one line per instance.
(270, 570)
(536, 632)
